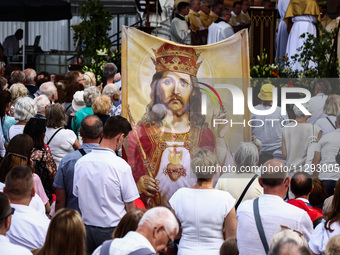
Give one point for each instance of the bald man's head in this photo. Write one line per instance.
(273, 173)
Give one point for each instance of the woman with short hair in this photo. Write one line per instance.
(331, 109)
(207, 216)
(101, 107)
(61, 141)
(24, 109)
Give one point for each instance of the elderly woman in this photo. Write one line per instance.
(331, 109)
(101, 107)
(24, 109)
(207, 215)
(90, 79)
(295, 140)
(18, 90)
(61, 141)
(246, 159)
(90, 95)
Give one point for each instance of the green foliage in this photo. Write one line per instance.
(91, 35)
(317, 50)
(98, 62)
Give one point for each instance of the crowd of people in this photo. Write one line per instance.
(77, 177)
(69, 187)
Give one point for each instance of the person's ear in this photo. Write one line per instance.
(8, 222)
(33, 192)
(260, 182)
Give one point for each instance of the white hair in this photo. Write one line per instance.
(30, 74)
(160, 215)
(90, 95)
(42, 101)
(299, 113)
(285, 235)
(110, 90)
(246, 155)
(24, 109)
(48, 89)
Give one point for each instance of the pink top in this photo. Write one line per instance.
(39, 189)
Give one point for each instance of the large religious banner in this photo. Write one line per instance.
(179, 100)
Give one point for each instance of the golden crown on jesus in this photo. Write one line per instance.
(175, 58)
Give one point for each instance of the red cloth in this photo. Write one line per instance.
(207, 141)
(132, 155)
(312, 212)
(139, 204)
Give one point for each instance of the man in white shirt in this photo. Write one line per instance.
(322, 89)
(156, 230)
(5, 222)
(180, 31)
(104, 184)
(29, 227)
(273, 211)
(220, 29)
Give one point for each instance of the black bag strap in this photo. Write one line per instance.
(331, 122)
(143, 251)
(245, 191)
(259, 225)
(68, 107)
(82, 151)
(105, 250)
(53, 135)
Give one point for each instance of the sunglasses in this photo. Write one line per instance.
(170, 241)
(11, 213)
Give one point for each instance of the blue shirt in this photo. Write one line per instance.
(65, 173)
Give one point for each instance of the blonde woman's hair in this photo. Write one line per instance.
(286, 234)
(332, 105)
(18, 90)
(66, 234)
(333, 246)
(101, 105)
(90, 79)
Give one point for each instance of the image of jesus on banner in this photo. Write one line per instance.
(172, 129)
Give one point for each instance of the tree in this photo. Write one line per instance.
(92, 33)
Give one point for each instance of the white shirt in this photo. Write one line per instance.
(103, 183)
(28, 228)
(132, 241)
(329, 146)
(320, 237)
(274, 212)
(325, 125)
(61, 144)
(318, 103)
(8, 248)
(219, 31)
(180, 31)
(201, 213)
(15, 130)
(235, 183)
